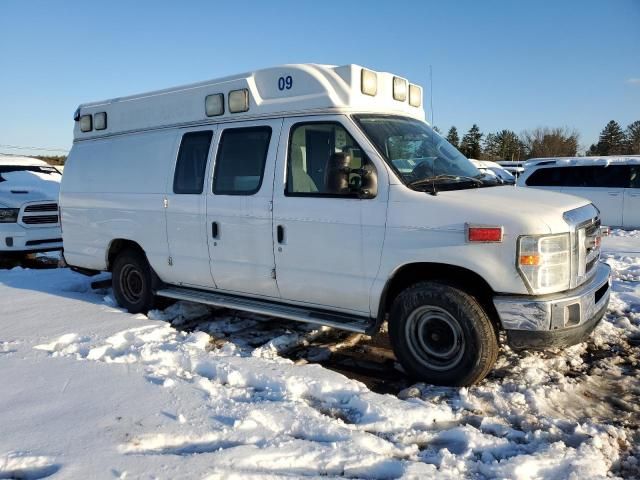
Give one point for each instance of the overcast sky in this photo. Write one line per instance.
(500, 64)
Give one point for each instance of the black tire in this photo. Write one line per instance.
(131, 279)
(442, 335)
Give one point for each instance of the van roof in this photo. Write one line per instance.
(581, 161)
(18, 160)
(284, 90)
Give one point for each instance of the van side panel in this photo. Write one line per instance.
(114, 188)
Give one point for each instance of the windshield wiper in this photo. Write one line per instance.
(445, 176)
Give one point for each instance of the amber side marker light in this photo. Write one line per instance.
(530, 260)
(484, 234)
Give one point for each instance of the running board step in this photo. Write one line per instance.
(341, 321)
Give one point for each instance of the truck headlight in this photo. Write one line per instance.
(544, 262)
(9, 215)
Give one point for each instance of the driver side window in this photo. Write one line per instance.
(324, 160)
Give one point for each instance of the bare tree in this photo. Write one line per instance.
(550, 142)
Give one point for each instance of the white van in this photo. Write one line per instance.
(319, 194)
(28, 206)
(611, 183)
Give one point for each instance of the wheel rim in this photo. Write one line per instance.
(131, 283)
(435, 337)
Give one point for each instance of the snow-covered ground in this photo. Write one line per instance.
(88, 391)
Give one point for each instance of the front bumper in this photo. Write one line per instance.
(16, 239)
(555, 320)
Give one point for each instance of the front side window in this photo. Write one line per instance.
(421, 157)
(192, 162)
(241, 159)
(325, 160)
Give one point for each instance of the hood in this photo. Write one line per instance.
(24, 186)
(519, 210)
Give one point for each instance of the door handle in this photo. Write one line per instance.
(214, 229)
(614, 194)
(280, 233)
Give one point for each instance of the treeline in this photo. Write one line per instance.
(544, 142)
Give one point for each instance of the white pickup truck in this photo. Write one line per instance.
(320, 194)
(29, 220)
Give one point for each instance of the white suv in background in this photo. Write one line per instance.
(29, 220)
(611, 183)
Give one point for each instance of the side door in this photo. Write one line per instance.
(239, 208)
(631, 215)
(185, 210)
(328, 239)
(604, 186)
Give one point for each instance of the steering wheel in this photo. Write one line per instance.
(423, 169)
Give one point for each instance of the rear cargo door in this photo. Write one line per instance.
(185, 206)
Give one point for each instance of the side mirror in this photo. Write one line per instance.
(369, 182)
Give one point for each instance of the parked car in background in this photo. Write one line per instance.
(494, 169)
(611, 183)
(29, 220)
(514, 168)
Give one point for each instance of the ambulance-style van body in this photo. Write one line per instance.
(320, 194)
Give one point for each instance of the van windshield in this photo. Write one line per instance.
(421, 156)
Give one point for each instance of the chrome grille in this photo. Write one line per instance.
(39, 214)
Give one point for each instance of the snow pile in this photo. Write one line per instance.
(91, 391)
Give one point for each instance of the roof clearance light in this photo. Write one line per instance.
(100, 121)
(415, 95)
(369, 82)
(484, 234)
(399, 89)
(239, 100)
(85, 123)
(214, 104)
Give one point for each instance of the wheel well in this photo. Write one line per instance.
(119, 245)
(455, 276)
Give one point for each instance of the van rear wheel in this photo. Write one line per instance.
(442, 335)
(131, 281)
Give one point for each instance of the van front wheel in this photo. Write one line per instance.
(442, 335)
(131, 281)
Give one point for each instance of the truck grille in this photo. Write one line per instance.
(39, 214)
(43, 207)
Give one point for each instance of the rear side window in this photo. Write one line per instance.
(596, 176)
(612, 176)
(242, 155)
(635, 176)
(192, 162)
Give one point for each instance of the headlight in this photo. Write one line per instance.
(545, 262)
(9, 215)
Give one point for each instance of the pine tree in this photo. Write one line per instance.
(633, 138)
(470, 145)
(612, 140)
(490, 148)
(453, 138)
